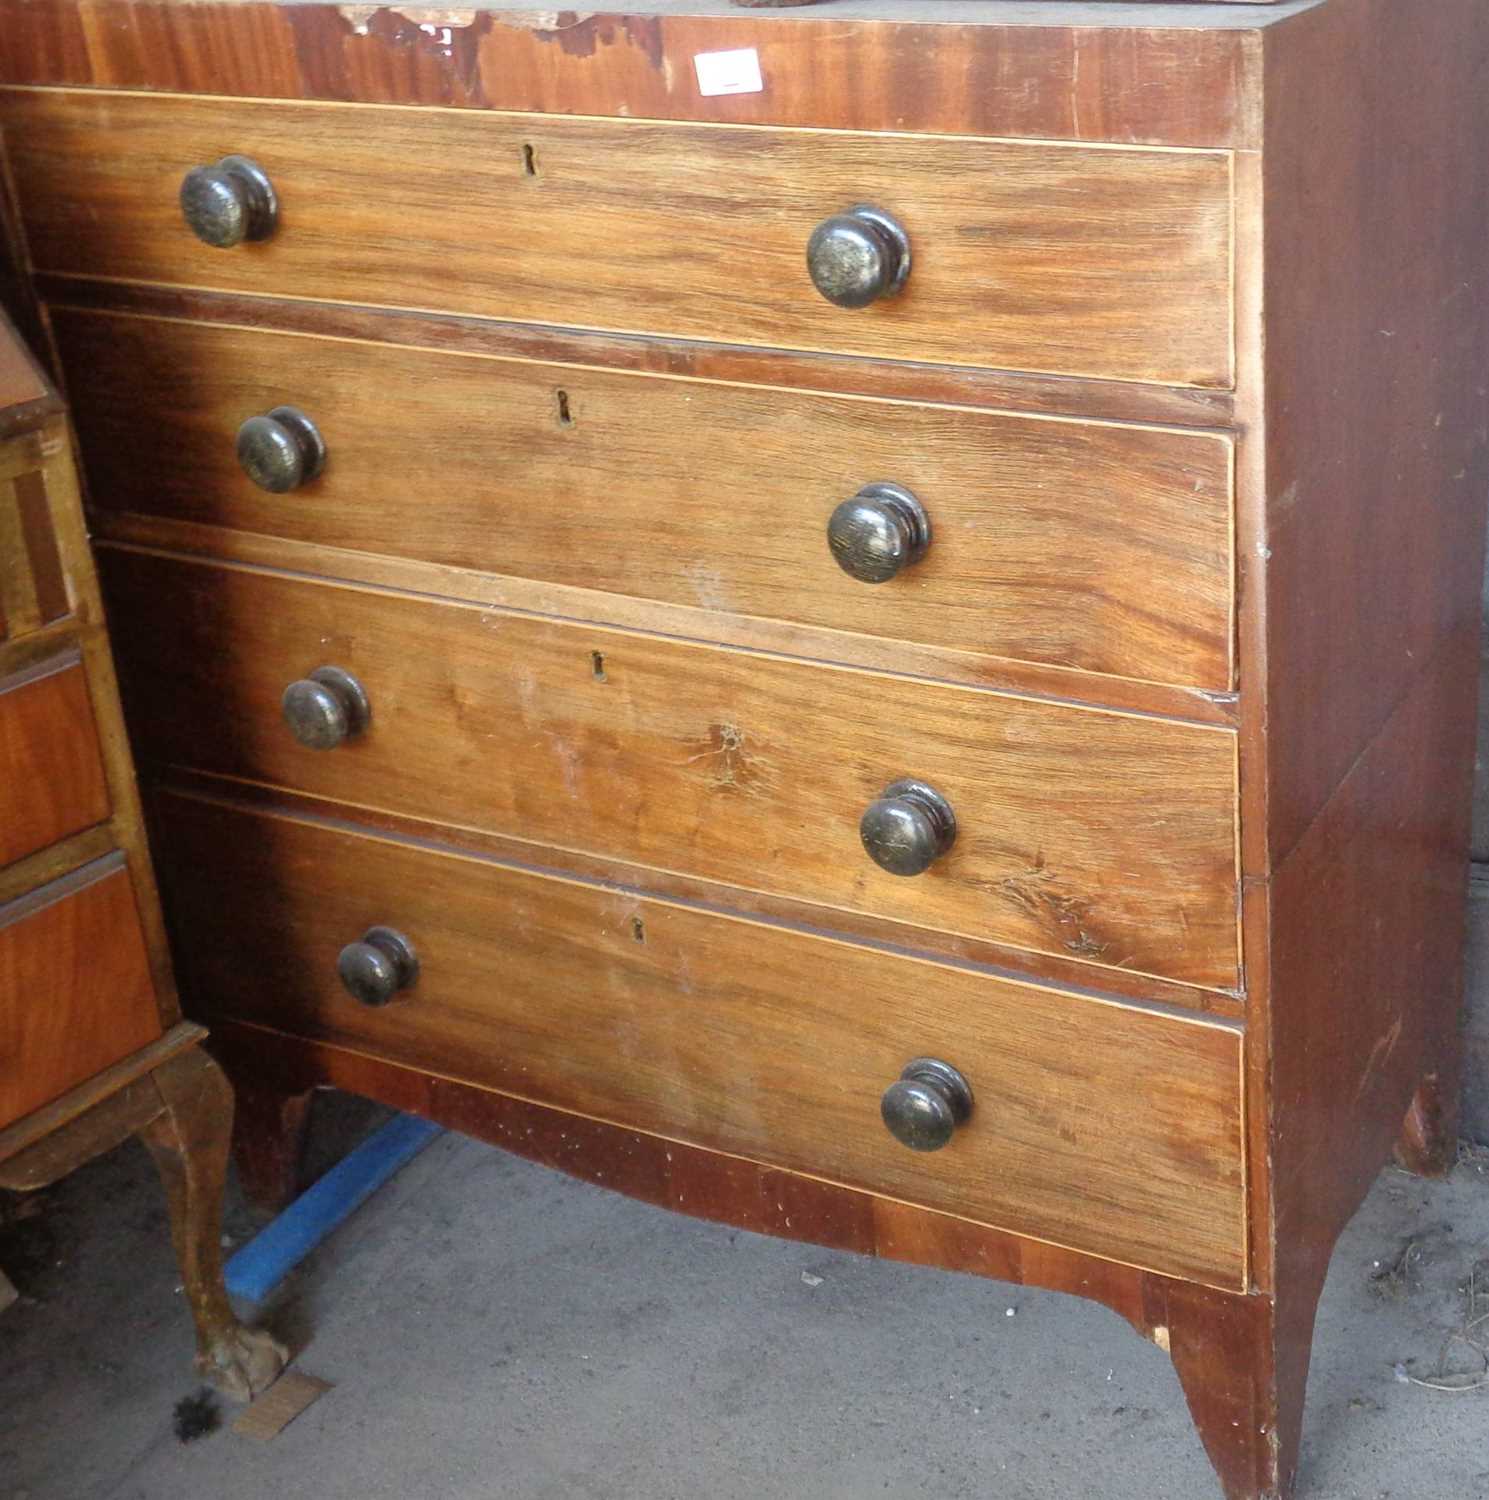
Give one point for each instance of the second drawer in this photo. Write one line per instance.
(1101, 836)
(1095, 1125)
(52, 780)
(1075, 544)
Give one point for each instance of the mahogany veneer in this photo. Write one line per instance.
(93, 1046)
(541, 421)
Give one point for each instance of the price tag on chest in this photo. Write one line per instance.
(736, 72)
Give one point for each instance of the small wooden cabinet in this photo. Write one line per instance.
(879, 653)
(93, 1047)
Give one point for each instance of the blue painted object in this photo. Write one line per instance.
(260, 1265)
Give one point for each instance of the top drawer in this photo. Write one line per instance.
(1071, 260)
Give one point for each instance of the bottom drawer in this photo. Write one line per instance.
(1095, 1125)
(76, 994)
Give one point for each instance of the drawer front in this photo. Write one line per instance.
(1085, 833)
(51, 775)
(75, 989)
(34, 587)
(1099, 1126)
(1077, 544)
(1072, 260)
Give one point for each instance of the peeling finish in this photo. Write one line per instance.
(580, 32)
(546, 20)
(1160, 1336)
(358, 17)
(443, 19)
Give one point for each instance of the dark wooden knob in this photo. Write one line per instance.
(229, 202)
(882, 530)
(924, 1106)
(281, 450)
(379, 967)
(857, 257)
(908, 829)
(326, 709)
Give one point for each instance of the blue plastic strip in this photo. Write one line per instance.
(260, 1265)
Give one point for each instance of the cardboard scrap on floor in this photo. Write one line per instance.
(272, 1412)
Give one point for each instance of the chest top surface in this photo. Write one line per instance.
(1235, 15)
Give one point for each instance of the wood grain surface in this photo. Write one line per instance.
(54, 512)
(734, 364)
(1044, 257)
(33, 581)
(61, 949)
(1081, 545)
(748, 1039)
(50, 1122)
(1376, 360)
(51, 775)
(1106, 837)
(26, 399)
(1001, 960)
(1094, 72)
(685, 622)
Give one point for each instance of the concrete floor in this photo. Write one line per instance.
(494, 1329)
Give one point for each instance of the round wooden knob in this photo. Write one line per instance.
(281, 450)
(857, 257)
(924, 1106)
(326, 709)
(908, 829)
(882, 530)
(379, 967)
(229, 202)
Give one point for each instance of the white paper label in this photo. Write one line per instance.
(735, 72)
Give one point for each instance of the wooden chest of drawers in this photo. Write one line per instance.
(878, 655)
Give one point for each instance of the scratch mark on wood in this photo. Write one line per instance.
(1380, 1054)
(1069, 916)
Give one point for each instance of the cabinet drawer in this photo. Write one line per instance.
(34, 586)
(1076, 544)
(75, 989)
(1078, 260)
(1100, 835)
(1095, 1125)
(51, 776)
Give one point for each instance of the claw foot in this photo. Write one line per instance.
(243, 1363)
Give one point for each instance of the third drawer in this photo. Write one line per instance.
(1089, 834)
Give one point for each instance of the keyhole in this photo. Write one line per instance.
(638, 929)
(565, 416)
(597, 665)
(529, 160)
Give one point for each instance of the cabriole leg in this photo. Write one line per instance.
(189, 1142)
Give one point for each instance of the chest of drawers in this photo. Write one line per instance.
(880, 657)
